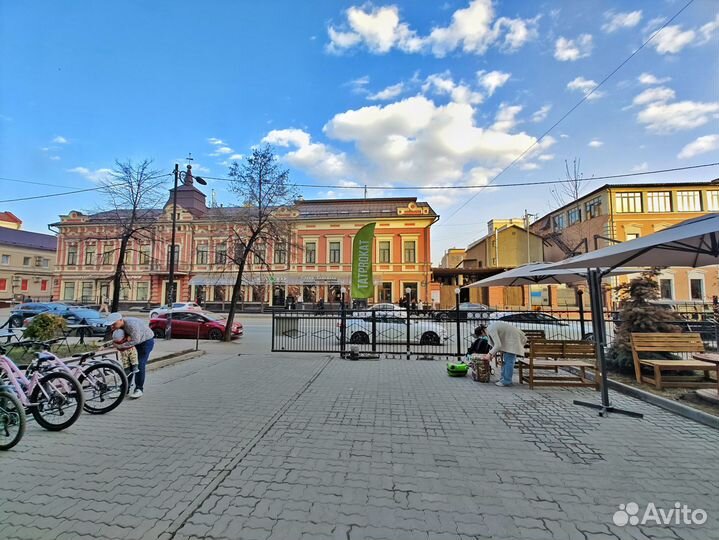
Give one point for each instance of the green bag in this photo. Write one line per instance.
(458, 369)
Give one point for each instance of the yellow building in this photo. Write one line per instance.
(621, 212)
(27, 260)
(452, 258)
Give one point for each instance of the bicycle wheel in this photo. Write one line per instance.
(104, 386)
(56, 401)
(12, 420)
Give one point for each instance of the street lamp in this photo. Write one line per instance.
(170, 293)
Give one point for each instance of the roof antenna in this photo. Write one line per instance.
(189, 158)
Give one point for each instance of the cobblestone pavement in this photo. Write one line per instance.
(281, 447)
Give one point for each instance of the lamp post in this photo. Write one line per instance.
(407, 292)
(170, 293)
(456, 317)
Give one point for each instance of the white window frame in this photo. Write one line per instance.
(673, 289)
(699, 277)
(64, 289)
(623, 197)
(404, 252)
(137, 291)
(713, 200)
(313, 240)
(659, 201)
(691, 195)
(335, 240)
(5, 260)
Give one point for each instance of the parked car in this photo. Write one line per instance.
(177, 306)
(382, 310)
(190, 324)
(467, 310)
(552, 327)
(392, 329)
(29, 309)
(73, 315)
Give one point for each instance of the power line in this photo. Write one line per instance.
(570, 111)
(36, 183)
(64, 193)
(509, 184)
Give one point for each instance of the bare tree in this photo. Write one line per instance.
(572, 240)
(264, 189)
(133, 192)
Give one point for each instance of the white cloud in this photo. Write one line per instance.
(55, 158)
(546, 157)
(702, 145)
(616, 21)
(492, 80)
(236, 157)
(707, 30)
(388, 93)
(528, 166)
(443, 84)
(649, 79)
(215, 141)
(60, 140)
(569, 50)
(506, 118)
(358, 85)
(658, 94)
(595, 143)
(222, 150)
(416, 141)
(641, 167)
(472, 29)
(662, 117)
(316, 158)
(98, 175)
(541, 114)
(580, 84)
(672, 39)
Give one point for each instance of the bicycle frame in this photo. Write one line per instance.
(16, 379)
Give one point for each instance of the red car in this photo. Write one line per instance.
(187, 324)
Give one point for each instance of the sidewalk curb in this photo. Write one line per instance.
(174, 358)
(667, 404)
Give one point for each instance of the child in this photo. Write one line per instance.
(128, 355)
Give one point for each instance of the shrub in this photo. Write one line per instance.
(44, 326)
(638, 315)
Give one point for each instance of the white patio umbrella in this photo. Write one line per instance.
(693, 243)
(544, 273)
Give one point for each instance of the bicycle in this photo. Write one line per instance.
(103, 381)
(12, 419)
(44, 392)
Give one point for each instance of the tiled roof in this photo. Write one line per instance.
(10, 217)
(11, 237)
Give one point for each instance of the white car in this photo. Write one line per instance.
(552, 327)
(392, 329)
(383, 310)
(177, 306)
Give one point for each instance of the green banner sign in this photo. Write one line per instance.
(362, 284)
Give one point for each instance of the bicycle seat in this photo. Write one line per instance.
(45, 356)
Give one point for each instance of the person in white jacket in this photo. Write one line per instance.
(510, 341)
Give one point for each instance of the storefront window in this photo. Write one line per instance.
(385, 292)
(143, 291)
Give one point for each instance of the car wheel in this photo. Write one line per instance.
(215, 334)
(359, 338)
(429, 338)
(15, 321)
(159, 332)
(153, 314)
(441, 316)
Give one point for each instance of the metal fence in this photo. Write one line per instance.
(443, 333)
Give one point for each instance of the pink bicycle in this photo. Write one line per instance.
(54, 398)
(12, 418)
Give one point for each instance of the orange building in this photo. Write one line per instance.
(314, 264)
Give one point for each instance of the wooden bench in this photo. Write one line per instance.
(671, 343)
(554, 354)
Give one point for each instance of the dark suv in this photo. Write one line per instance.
(29, 309)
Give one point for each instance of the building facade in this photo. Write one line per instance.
(621, 212)
(313, 264)
(452, 258)
(27, 261)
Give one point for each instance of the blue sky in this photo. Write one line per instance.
(383, 94)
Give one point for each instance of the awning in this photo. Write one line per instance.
(285, 278)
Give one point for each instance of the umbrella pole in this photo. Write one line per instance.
(595, 297)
